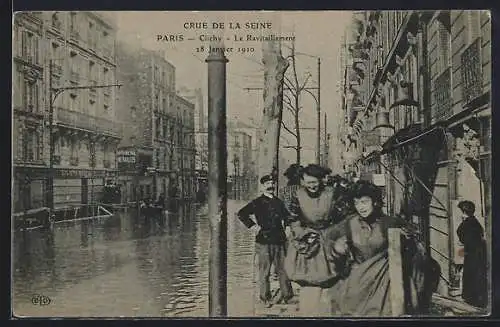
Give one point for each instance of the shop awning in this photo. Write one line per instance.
(411, 135)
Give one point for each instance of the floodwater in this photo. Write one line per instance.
(124, 266)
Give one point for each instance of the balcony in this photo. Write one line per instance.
(442, 107)
(87, 122)
(472, 75)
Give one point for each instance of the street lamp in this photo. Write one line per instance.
(54, 92)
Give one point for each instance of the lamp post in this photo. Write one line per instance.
(54, 92)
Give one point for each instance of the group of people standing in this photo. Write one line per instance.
(330, 236)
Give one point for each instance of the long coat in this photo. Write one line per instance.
(470, 233)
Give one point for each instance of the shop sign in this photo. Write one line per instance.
(126, 160)
(78, 173)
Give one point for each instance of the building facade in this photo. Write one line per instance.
(58, 58)
(201, 140)
(157, 127)
(418, 120)
(239, 160)
(186, 148)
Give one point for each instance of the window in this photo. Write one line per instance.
(56, 22)
(91, 36)
(105, 77)
(73, 102)
(54, 51)
(105, 152)
(91, 72)
(74, 152)
(30, 145)
(73, 24)
(443, 43)
(29, 47)
(30, 95)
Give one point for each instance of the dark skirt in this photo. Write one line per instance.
(475, 276)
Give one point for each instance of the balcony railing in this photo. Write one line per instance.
(472, 75)
(87, 122)
(442, 108)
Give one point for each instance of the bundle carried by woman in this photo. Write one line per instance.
(310, 259)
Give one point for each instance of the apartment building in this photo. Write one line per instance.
(418, 120)
(64, 73)
(158, 126)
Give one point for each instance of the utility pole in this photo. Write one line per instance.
(325, 159)
(217, 183)
(318, 103)
(50, 184)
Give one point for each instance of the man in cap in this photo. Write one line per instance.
(270, 214)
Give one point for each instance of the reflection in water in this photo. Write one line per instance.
(241, 245)
(128, 266)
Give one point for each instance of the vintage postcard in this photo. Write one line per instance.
(251, 164)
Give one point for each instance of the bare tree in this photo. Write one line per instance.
(291, 100)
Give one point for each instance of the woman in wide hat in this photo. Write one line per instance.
(362, 238)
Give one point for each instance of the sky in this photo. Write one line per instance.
(318, 34)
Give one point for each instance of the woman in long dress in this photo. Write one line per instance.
(308, 261)
(363, 237)
(471, 235)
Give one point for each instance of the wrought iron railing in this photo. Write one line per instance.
(442, 107)
(472, 74)
(87, 122)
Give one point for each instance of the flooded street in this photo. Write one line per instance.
(125, 267)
